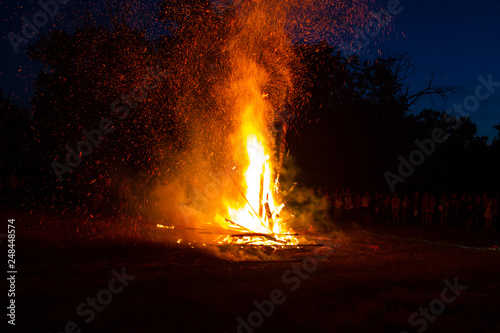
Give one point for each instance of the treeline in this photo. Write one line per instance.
(106, 113)
(360, 129)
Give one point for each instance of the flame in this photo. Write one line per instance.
(240, 83)
(259, 214)
(255, 91)
(257, 173)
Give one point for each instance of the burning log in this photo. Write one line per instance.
(236, 224)
(290, 190)
(267, 236)
(269, 214)
(261, 190)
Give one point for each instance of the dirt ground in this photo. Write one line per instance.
(375, 278)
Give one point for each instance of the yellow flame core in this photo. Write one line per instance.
(257, 173)
(259, 211)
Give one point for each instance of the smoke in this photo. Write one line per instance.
(191, 201)
(307, 208)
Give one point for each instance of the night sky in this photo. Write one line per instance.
(459, 39)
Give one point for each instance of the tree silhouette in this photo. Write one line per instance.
(349, 120)
(92, 75)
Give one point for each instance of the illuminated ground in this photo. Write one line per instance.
(370, 283)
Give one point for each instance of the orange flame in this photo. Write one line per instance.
(260, 210)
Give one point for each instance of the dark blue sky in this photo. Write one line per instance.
(460, 39)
